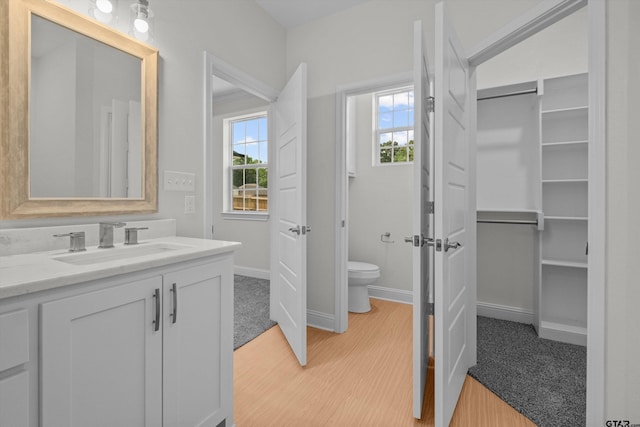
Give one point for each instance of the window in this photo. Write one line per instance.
(394, 127)
(248, 145)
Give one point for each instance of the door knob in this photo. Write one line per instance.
(450, 245)
(295, 229)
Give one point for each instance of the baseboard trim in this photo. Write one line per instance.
(256, 273)
(563, 333)
(319, 320)
(391, 294)
(505, 312)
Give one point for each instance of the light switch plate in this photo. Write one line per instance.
(179, 181)
(189, 204)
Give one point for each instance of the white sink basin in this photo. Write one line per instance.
(118, 253)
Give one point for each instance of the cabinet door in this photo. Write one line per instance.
(101, 358)
(198, 346)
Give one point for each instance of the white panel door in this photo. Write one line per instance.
(454, 216)
(421, 197)
(289, 221)
(101, 358)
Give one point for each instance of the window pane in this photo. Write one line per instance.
(237, 177)
(400, 138)
(401, 118)
(385, 155)
(385, 103)
(239, 154)
(252, 130)
(411, 99)
(385, 120)
(262, 199)
(400, 154)
(263, 131)
(264, 152)
(253, 155)
(410, 137)
(401, 101)
(238, 132)
(410, 153)
(385, 139)
(411, 115)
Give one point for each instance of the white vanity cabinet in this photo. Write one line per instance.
(153, 351)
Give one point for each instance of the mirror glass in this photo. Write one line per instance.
(85, 130)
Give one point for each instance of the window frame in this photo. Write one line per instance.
(377, 131)
(227, 123)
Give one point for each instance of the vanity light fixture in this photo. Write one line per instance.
(141, 17)
(104, 10)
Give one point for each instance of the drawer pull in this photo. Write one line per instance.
(156, 322)
(174, 315)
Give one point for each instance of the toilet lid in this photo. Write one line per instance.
(362, 266)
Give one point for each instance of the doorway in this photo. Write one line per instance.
(519, 30)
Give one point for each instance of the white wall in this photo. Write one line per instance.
(622, 355)
(508, 178)
(379, 202)
(254, 235)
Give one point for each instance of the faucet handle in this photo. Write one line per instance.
(77, 240)
(131, 235)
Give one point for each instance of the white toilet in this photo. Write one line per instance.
(361, 274)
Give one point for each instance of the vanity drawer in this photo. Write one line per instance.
(14, 339)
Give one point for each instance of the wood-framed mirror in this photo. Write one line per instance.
(78, 120)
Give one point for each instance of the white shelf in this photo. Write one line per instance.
(552, 144)
(564, 148)
(552, 181)
(560, 263)
(581, 109)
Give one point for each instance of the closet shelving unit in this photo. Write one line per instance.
(562, 293)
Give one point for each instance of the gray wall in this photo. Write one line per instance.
(379, 202)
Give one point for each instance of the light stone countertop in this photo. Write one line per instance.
(33, 272)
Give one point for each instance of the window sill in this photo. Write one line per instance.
(246, 216)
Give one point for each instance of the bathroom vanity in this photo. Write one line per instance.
(137, 335)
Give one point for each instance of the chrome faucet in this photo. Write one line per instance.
(106, 233)
(77, 240)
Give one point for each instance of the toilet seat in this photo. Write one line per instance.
(363, 270)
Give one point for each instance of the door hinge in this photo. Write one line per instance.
(439, 245)
(430, 207)
(431, 104)
(430, 309)
(343, 223)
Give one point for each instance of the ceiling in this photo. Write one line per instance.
(291, 13)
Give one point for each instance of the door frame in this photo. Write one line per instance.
(214, 66)
(536, 20)
(343, 92)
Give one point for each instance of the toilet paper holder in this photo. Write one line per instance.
(384, 238)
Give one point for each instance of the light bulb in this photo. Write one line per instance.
(104, 6)
(142, 26)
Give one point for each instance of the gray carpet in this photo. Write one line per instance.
(251, 309)
(542, 379)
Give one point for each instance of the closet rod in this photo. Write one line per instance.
(504, 95)
(507, 221)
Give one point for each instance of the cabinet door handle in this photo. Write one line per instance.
(156, 322)
(174, 315)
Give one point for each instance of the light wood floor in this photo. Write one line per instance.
(360, 378)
